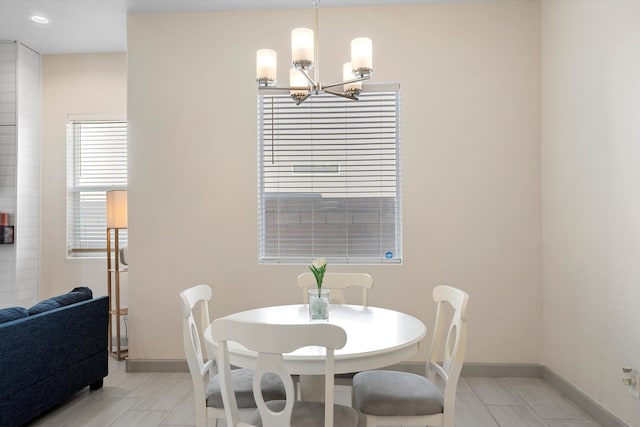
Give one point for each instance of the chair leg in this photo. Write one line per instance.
(201, 418)
(296, 388)
(366, 420)
(353, 399)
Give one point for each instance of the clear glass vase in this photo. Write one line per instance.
(319, 304)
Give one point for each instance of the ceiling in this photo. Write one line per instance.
(83, 26)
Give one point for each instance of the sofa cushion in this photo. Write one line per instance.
(12, 313)
(76, 295)
(42, 306)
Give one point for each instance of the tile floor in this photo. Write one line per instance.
(165, 399)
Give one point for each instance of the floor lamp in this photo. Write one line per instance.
(116, 220)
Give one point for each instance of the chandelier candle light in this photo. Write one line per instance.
(304, 57)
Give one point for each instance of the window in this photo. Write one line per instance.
(329, 178)
(96, 163)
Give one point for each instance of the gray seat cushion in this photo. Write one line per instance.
(272, 389)
(311, 414)
(392, 393)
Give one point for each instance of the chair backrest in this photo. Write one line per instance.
(192, 336)
(455, 345)
(270, 342)
(337, 283)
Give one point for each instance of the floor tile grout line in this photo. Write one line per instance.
(499, 384)
(507, 404)
(526, 403)
(586, 416)
(522, 399)
(483, 404)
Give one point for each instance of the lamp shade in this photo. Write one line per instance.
(361, 53)
(297, 79)
(302, 45)
(117, 209)
(347, 74)
(266, 62)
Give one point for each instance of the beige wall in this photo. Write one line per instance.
(471, 170)
(591, 208)
(72, 84)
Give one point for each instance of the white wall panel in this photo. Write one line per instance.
(8, 85)
(28, 172)
(20, 171)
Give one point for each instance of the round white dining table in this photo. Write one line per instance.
(376, 337)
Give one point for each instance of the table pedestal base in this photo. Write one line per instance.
(312, 388)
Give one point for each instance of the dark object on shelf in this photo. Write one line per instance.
(6, 234)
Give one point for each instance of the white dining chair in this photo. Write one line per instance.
(270, 341)
(206, 384)
(401, 398)
(337, 283)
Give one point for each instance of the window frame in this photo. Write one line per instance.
(335, 257)
(74, 190)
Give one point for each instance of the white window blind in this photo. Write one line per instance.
(96, 163)
(329, 179)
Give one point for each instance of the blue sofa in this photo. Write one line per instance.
(51, 351)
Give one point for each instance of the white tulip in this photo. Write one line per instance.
(319, 263)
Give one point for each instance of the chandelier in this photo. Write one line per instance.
(304, 57)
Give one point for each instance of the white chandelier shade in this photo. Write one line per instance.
(298, 84)
(347, 74)
(266, 64)
(302, 46)
(361, 56)
(304, 57)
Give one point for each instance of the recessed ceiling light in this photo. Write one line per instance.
(40, 19)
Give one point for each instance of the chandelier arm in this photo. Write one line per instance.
(306, 74)
(343, 95)
(307, 88)
(301, 100)
(359, 79)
